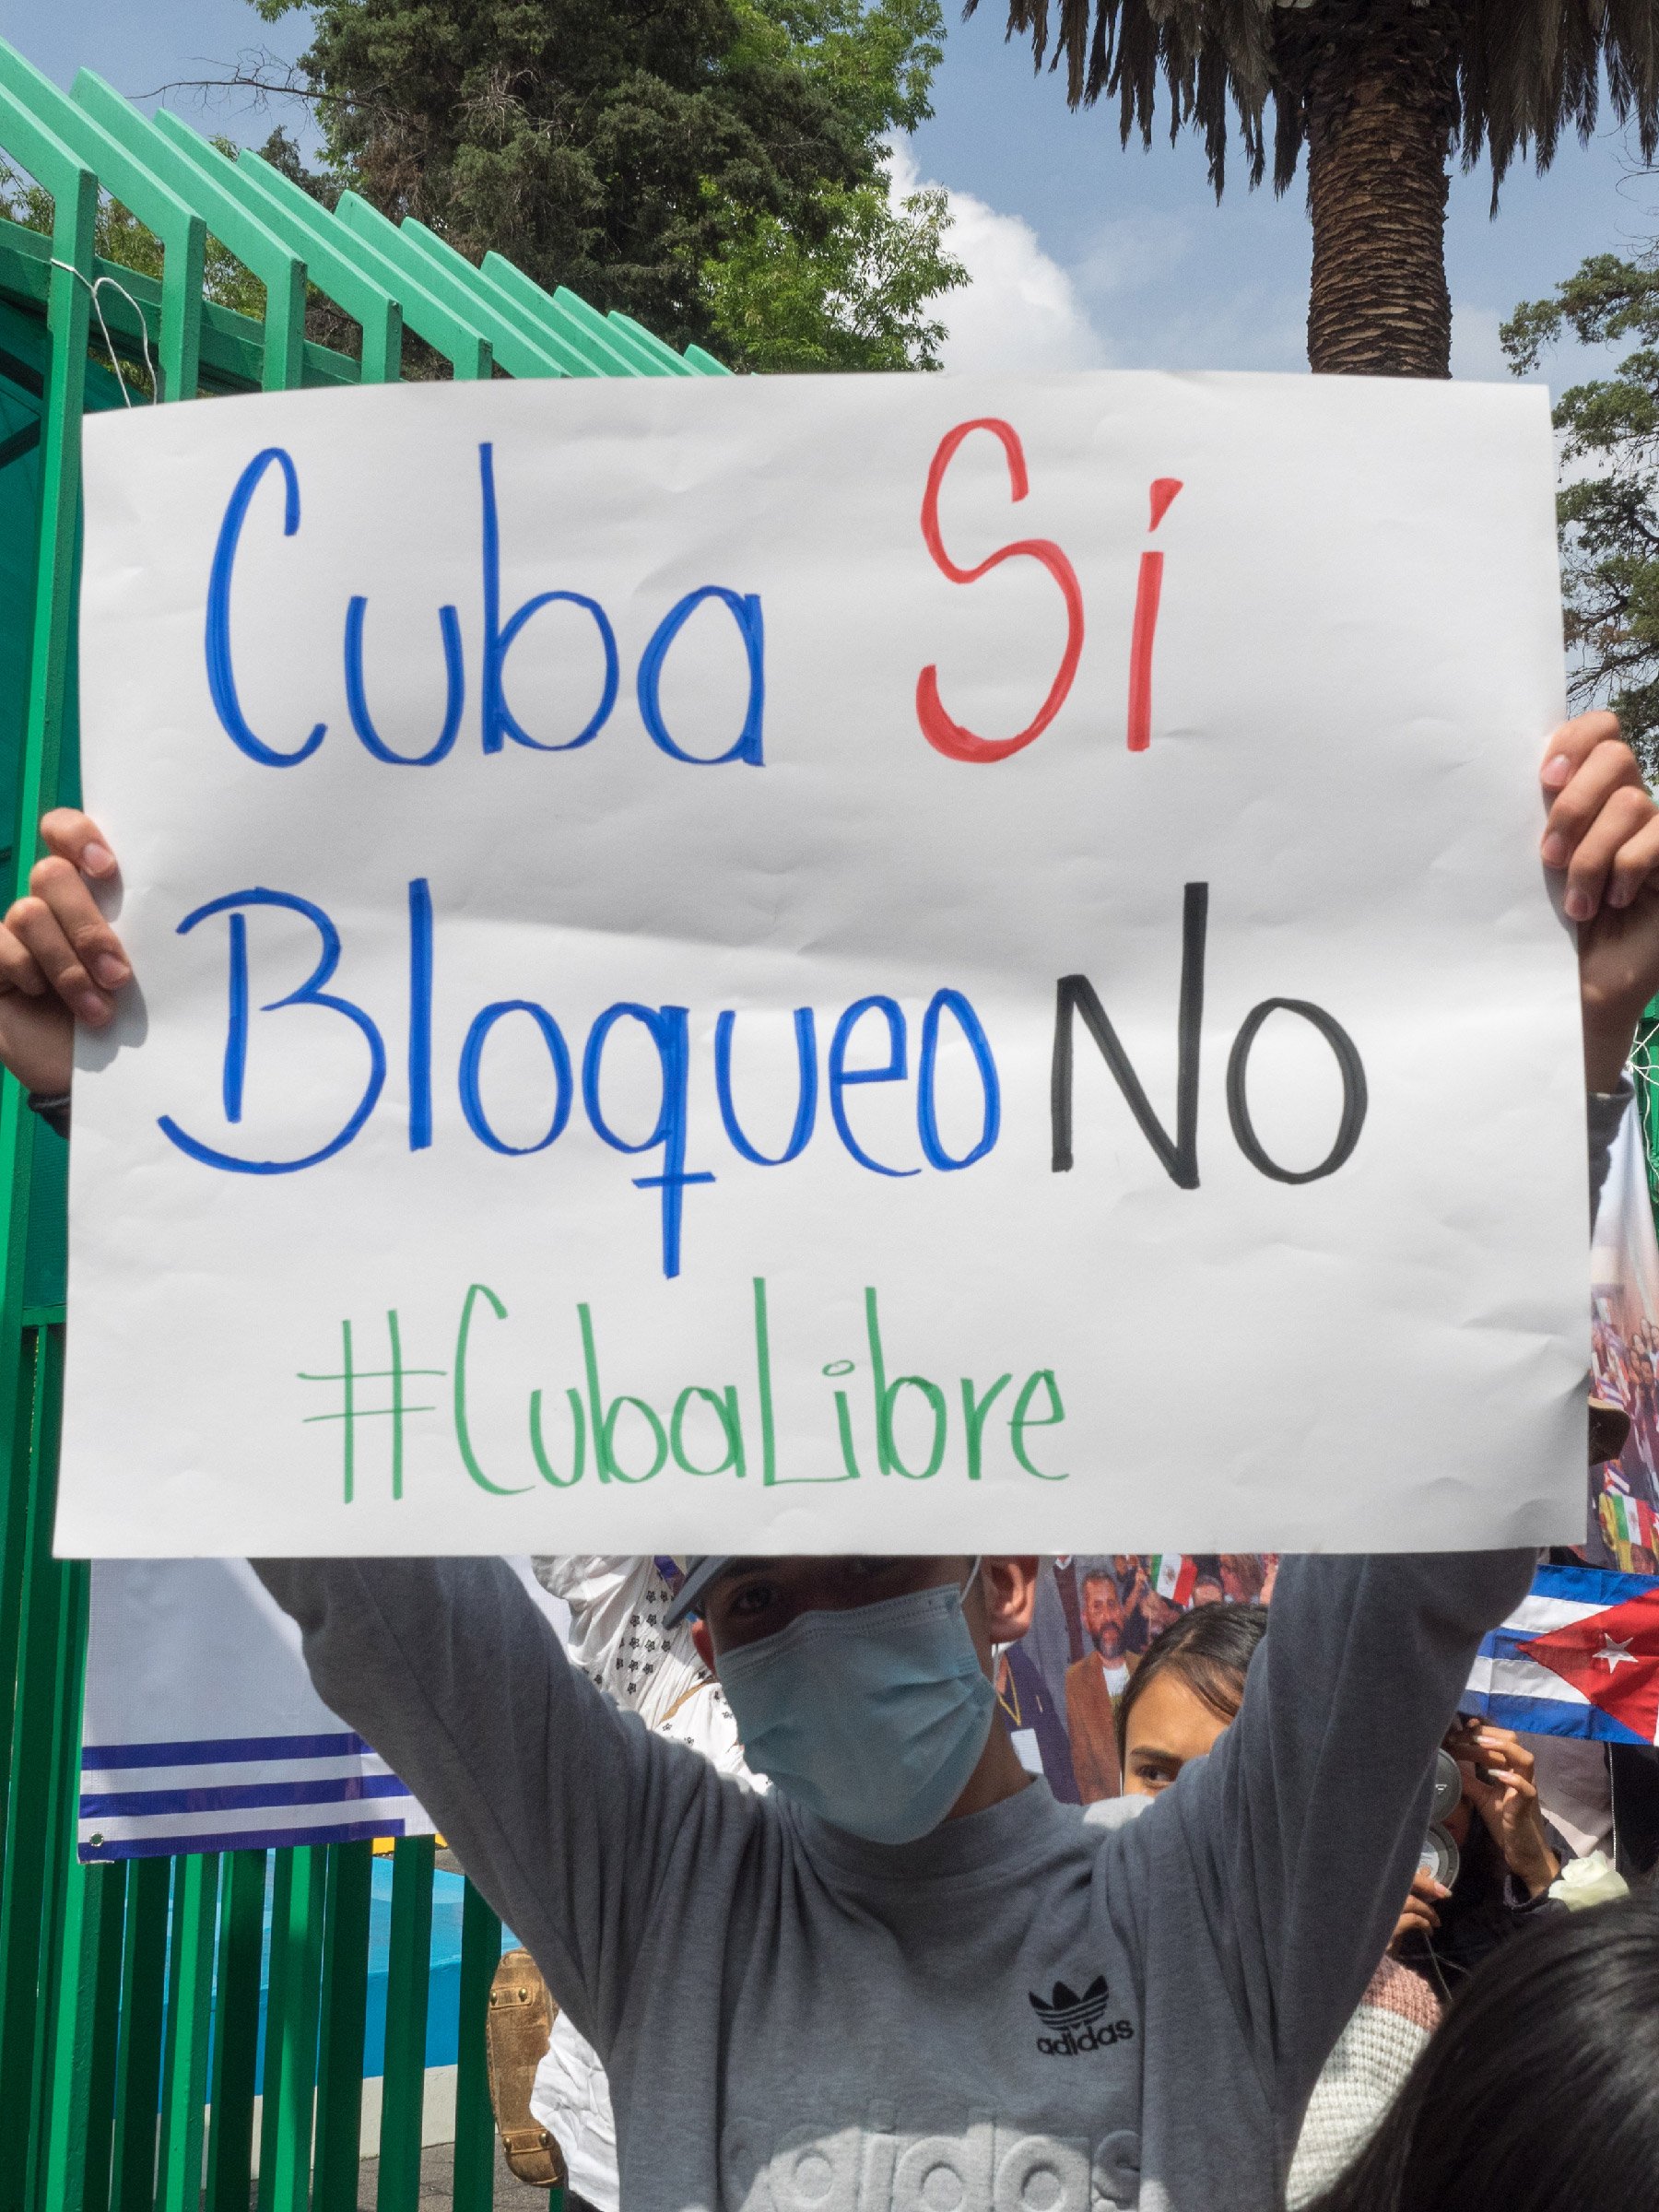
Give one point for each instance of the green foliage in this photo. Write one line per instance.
(1609, 521)
(874, 58)
(856, 300)
(714, 168)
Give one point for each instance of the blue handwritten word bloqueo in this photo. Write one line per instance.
(899, 964)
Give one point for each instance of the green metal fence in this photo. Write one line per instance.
(130, 1992)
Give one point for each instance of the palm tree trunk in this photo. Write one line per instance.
(1381, 106)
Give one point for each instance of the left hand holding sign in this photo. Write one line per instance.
(60, 961)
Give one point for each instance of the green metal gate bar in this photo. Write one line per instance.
(130, 1992)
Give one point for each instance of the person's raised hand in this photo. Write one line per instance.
(1602, 838)
(1418, 1916)
(1497, 1770)
(60, 961)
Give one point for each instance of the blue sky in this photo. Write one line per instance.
(1081, 253)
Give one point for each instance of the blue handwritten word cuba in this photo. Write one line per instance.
(876, 1019)
(499, 723)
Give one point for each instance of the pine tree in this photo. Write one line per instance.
(649, 154)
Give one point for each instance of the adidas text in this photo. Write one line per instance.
(1069, 2044)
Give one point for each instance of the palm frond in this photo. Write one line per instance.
(1526, 71)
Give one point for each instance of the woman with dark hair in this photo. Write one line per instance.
(1540, 2088)
(1186, 1689)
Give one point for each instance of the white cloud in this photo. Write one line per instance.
(1019, 309)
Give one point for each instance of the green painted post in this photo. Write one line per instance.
(28, 1963)
(409, 1967)
(236, 2032)
(79, 2125)
(290, 2068)
(138, 2061)
(277, 1979)
(188, 2030)
(88, 2096)
(475, 2121)
(14, 1561)
(34, 1898)
(345, 2009)
(93, 2092)
(59, 1890)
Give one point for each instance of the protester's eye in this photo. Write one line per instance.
(749, 1600)
(1154, 1774)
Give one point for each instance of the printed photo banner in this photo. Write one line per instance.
(1093, 1619)
(1624, 1347)
(827, 963)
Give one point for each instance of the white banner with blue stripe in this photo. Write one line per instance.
(201, 1730)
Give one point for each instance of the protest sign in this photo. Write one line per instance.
(827, 963)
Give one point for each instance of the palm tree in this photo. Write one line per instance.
(1382, 93)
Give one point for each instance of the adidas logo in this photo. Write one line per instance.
(1076, 2024)
(1068, 2010)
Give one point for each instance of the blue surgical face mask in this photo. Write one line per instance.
(874, 1717)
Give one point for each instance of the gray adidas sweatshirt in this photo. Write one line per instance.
(1022, 2012)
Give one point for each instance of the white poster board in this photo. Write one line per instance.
(859, 964)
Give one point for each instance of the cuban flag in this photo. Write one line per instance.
(1579, 1656)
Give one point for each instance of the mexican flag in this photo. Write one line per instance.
(1627, 1518)
(1173, 1573)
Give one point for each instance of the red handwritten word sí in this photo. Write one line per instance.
(941, 730)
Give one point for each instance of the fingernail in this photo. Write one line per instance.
(98, 860)
(1620, 894)
(92, 1008)
(1440, 1890)
(1553, 850)
(1578, 906)
(110, 970)
(1556, 770)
